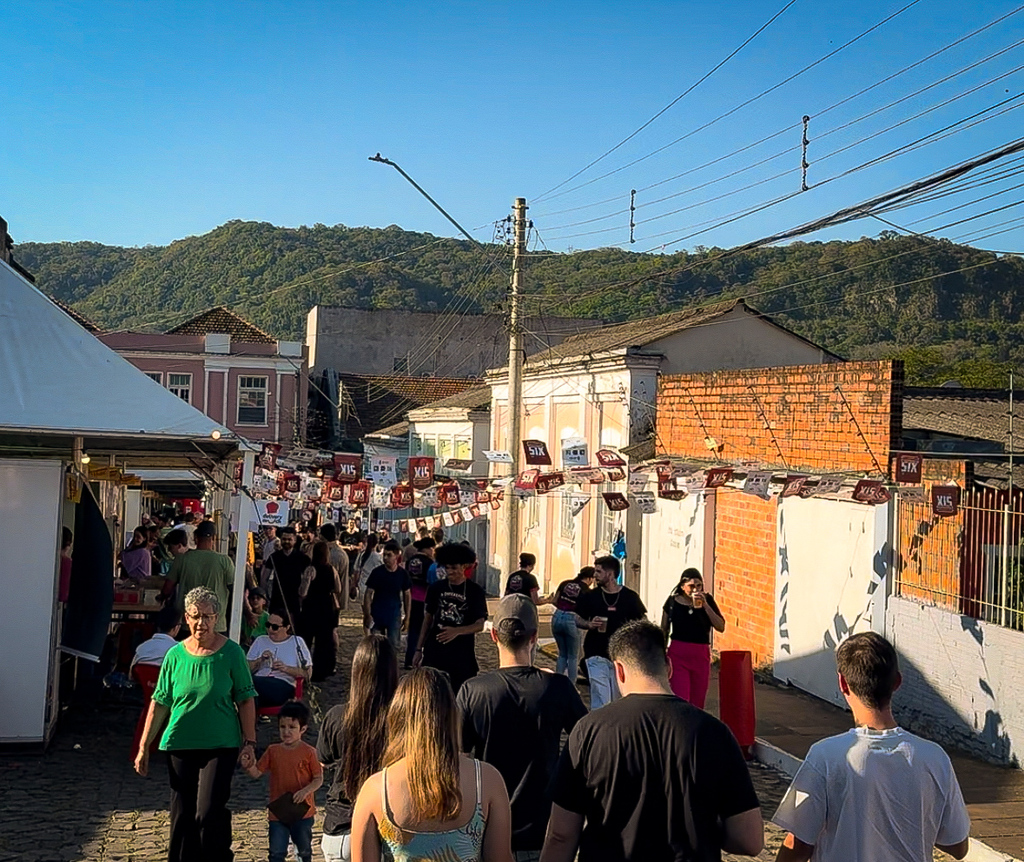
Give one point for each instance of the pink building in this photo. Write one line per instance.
(234, 372)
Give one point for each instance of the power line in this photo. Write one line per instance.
(686, 92)
(738, 107)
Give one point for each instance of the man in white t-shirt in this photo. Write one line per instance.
(188, 524)
(875, 792)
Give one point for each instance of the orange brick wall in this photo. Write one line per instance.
(745, 555)
(808, 425)
(929, 544)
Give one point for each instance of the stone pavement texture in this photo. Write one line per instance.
(81, 799)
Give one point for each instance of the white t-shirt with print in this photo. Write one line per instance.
(875, 795)
(286, 651)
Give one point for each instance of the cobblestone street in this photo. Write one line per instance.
(82, 799)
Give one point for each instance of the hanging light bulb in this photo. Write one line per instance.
(215, 434)
(85, 458)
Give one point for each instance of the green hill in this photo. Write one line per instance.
(865, 299)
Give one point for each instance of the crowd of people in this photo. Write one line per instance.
(443, 762)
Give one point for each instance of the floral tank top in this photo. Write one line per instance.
(464, 844)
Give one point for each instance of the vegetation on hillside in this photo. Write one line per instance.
(951, 311)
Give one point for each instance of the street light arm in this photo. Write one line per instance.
(419, 188)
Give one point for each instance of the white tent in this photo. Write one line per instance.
(57, 377)
(62, 392)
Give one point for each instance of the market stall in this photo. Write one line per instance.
(75, 421)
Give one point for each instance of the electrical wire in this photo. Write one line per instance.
(736, 108)
(686, 92)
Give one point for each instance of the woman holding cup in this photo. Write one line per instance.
(687, 619)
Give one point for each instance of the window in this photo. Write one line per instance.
(463, 448)
(567, 522)
(181, 385)
(430, 446)
(417, 444)
(252, 400)
(444, 450)
(158, 376)
(605, 526)
(532, 515)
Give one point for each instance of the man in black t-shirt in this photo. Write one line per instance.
(651, 777)
(513, 718)
(282, 575)
(602, 612)
(523, 582)
(455, 610)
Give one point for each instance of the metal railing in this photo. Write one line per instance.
(971, 563)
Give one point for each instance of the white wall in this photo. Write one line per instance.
(832, 563)
(29, 527)
(739, 339)
(963, 680)
(673, 540)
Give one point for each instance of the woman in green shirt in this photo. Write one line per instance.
(206, 690)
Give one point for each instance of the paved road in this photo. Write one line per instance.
(82, 800)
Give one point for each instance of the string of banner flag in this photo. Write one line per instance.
(305, 478)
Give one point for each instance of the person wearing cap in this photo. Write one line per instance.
(513, 718)
(203, 567)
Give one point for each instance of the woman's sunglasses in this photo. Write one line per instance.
(276, 626)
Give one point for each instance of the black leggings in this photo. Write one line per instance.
(200, 790)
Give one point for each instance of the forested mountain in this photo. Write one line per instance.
(871, 298)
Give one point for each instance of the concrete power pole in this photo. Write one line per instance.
(515, 387)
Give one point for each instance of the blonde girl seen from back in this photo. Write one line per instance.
(430, 802)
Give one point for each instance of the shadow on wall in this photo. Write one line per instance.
(922, 708)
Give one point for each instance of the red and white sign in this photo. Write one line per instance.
(549, 481)
(268, 456)
(908, 468)
(272, 513)
(348, 468)
(871, 491)
(359, 493)
(334, 492)
(716, 477)
(292, 483)
(609, 458)
(945, 499)
(401, 497)
(615, 501)
(792, 486)
(536, 452)
(527, 480)
(421, 471)
(450, 495)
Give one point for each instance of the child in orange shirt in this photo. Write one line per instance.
(295, 772)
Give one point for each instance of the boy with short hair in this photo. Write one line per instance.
(295, 775)
(876, 791)
(387, 599)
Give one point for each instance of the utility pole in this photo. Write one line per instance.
(515, 386)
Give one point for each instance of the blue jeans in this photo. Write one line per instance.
(300, 832)
(388, 621)
(567, 637)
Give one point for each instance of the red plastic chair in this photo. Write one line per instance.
(274, 710)
(146, 675)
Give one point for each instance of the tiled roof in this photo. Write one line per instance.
(639, 333)
(476, 398)
(377, 401)
(82, 321)
(399, 429)
(979, 414)
(221, 321)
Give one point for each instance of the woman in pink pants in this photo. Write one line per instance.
(687, 620)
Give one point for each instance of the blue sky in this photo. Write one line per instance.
(139, 123)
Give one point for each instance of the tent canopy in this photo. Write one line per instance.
(59, 382)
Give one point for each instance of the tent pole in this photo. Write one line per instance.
(245, 516)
